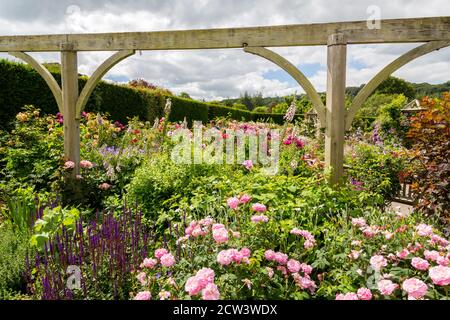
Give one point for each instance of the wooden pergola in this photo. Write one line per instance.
(433, 32)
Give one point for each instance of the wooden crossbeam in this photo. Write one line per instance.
(357, 32)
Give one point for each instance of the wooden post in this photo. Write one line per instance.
(335, 114)
(69, 79)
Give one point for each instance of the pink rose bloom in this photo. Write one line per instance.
(270, 272)
(224, 258)
(420, 264)
(86, 164)
(205, 276)
(260, 218)
(190, 228)
(233, 203)
(258, 207)
(306, 268)
(443, 261)
(424, 230)
(306, 283)
(388, 235)
(415, 288)
(440, 275)
(364, 294)
(386, 287)
(354, 254)
(246, 252)
(104, 186)
(293, 266)
(403, 254)
(369, 232)
(248, 164)
(164, 295)
(347, 296)
(431, 255)
(160, 252)
(149, 263)
(282, 269)
(218, 226)
(220, 235)
(193, 286)
(359, 222)
(142, 278)
(235, 255)
(269, 255)
(167, 260)
(281, 258)
(378, 262)
(435, 239)
(296, 231)
(144, 295)
(206, 222)
(211, 292)
(69, 165)
(309, 244)
(198, 231)
(245, 199)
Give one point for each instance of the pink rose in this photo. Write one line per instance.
(386, 287)
(269, 255)
(306, 268)
(167, 260)
(246, 252)
(293, 266)
(364, 294)
(359, 222)
(431, 255)
(378, 262)
(415, 288)
(440, 275)
(142, 278)
(205, 275)
(149, 263)
(424, 230)
(281, 258)
(193, 286)
(245, 198)
(224, 258)
(160, 252)
(164, 295)
(347, 296)
(69, 165)
(248, 164)
(144, 295)
(420, 264)
(210, 292)
(220, 235)
(403, 254)
(259, 218)
(86, 164)
(258, 207)
(233, 203)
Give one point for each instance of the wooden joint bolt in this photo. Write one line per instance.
(67, 46)
(336, 39)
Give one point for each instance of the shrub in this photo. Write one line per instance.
(13, 250)
(430, 137)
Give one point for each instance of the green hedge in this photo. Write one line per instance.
(20, 85)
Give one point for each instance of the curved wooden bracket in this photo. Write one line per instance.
(44, 73)
(296, 74)
(370, 87)
(97, 76)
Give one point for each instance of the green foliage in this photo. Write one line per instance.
(260, 110)
(393, 85)
(376, 168)
(52, 221)
(190, 109)
(20, 210)
(391, 119)
(240, 106)
(13, 250)
(280, 108)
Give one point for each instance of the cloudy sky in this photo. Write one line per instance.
(216, 74)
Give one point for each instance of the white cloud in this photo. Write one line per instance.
(224, 73)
